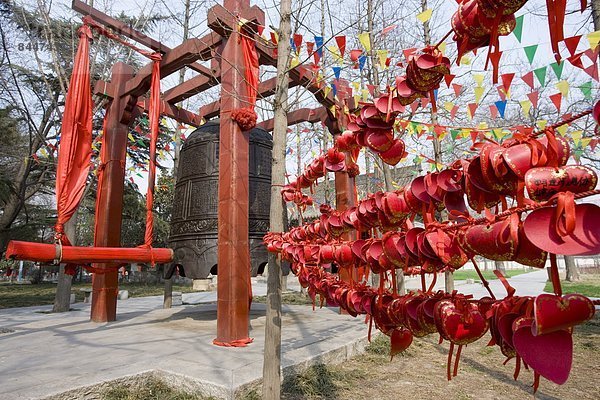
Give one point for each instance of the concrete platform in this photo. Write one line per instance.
(43, 354)
(47, 354)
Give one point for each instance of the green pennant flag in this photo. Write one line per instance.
(540, 73)
(530, 52)
(557, 68)
(586, 89)
(454, 133)
(518, 31)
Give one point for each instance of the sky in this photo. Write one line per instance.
(535, 31)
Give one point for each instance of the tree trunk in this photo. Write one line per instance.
(62, 299)
(572, 270)
(168, 295)
(272, 353)
(596, 14)
(500, 266)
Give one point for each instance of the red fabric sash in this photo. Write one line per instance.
(75, 148)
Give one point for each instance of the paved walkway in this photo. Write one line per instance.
(43, 354)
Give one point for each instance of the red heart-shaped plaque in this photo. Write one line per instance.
(401, 338)
(550, 355)
(540, 228)
(544, 182)
(553, 313)
(463, 324)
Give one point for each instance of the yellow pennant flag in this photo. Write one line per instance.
(365, 40)
(383, 55)
(448, 106)
(526, 106)
(425, 15)
(356, 86)
(295, 61)
(562, 130)
(356, 99)
(465, 133)
(442, 47)
(563, 87)
(337, 57)
(585, 142)
(326, 90)
(332, 110)
(576, 135)
(365, 94)
(478, 78)
(130, 136)
(465, 60)
(594, 39)
(478, 93)
(541, 123)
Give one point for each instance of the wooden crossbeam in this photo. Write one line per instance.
(189, 88)
(172, 111)
(123, 29)
(295, 117)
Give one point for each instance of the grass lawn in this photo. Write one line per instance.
(295, 298)
(589, 285)
(489, 275)
(13, 295)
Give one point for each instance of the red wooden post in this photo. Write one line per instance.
(109, 199)
(233, 290)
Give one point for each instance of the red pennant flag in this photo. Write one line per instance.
(403, 123)
(457, 88)
(388, 61)
(448, 78)
(273, 38)
(439, 130)
(260, 29)
(528, 79)
(302, 71)
(592, 71)
(413, 106)
(341, 42)
(575, 60)
(472, 108)
(592, 54)
(409, 52)
(354, 54)
(310, 47)
(593, 144)
(371, 89)
(501, 92)
(507, 81)
(533, 98)
(474, 135)
(556, 100)
(297, 41)
(493, 111)
(453, 112)
(572, 43)
(316, 57)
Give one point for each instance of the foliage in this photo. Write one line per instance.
(379, 345)
(463, 274)
(294, 298)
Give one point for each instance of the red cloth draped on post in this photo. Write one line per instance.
(154, 111)
(246, 116)
(75, 148)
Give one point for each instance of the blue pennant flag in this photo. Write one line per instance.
(333, 88)
(362, 60)
(293, 44)
(501, 106)
(337, 71)
(319, 45)
(435, 94)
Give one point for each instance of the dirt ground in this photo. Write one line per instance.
(420, 374)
